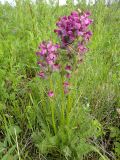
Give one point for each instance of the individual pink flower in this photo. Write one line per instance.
(41, 64)
(81, 48)
(55, 67)
(68, 75)
(66, 91)
(87, 35)
(66, 84)
(68, 68)
(50, 94)
(75, 13)
(41, 74)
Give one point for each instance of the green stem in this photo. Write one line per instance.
(52, 107)
(53, 117)
(62, 105)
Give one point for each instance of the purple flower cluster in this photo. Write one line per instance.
(74, 26)
(48, 54)
(74, 35)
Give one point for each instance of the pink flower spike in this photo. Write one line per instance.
(41, 75)
(50, 94)
(69, 28)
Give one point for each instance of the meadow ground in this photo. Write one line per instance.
(33, 127)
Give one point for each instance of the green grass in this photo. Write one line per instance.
(25, 111)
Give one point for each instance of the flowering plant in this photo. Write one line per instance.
(66, 126)
(65, 57)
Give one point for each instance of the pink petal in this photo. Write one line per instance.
(50, 94)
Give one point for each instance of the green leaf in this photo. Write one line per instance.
(67, 152)
(14, 130)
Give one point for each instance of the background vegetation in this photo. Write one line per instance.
(22, 99)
